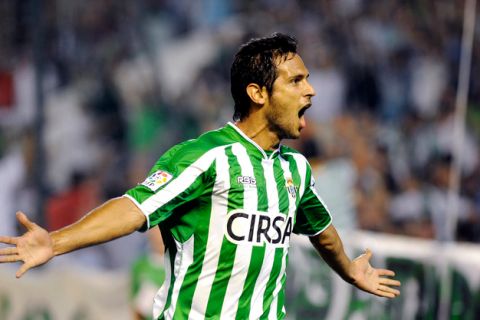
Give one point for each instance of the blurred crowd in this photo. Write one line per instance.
(125, 80)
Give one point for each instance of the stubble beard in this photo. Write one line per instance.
(281, 129)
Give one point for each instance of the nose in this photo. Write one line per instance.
(310, 91)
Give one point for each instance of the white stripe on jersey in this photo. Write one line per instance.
(244, 252)
(291, 212)
(183, 259)
(218, 217)
(180, 183)
(256, 304)
(161, 296)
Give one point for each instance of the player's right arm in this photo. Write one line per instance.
(115, 218)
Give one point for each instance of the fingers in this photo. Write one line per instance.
(385, 284)
(8, 251)
(385, 272)
(368, 253)
(388, 292)
(10, 258)
(8, 240)
(385, 294)
(9, 254)
(390, 282)
(24, 268)
(22, 218)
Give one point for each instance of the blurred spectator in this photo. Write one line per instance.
(330, 85)
(438, 195)
(409, 213)
(147, 276)
(70, 205)
(335, 179)
(429, 78)
(16, 173)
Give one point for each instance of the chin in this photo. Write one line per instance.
(292, 135)
(286, 132)
(295, 136)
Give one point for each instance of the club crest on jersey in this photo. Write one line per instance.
(291, 188)
(247, 181)
(258, 228)
(157, 179)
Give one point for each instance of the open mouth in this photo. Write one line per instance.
(302, 111)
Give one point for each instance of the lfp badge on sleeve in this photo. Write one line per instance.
(157, 179)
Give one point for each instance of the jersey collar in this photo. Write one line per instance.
(250, 141)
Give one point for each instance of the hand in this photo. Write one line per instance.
(34, 248)
(373, 280)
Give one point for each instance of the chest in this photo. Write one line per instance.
(264, 185)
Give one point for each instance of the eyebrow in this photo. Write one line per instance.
(299, 75)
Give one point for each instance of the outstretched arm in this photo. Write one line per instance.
(115, 218)
(358, 272)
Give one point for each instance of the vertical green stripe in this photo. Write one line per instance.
(200, 235)
(219, 287)
(281, 294)
(258, 253)
(243, 310)
(228, 249)
(281, 297)
(271, 284)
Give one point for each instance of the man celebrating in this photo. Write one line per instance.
(226, 203)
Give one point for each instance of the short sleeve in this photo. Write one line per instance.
(179, 176)
(312, 216)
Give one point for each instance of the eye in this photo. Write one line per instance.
(296, 80)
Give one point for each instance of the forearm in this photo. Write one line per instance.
(329, 245)
(115, 218)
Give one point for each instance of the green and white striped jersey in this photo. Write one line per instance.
(226, 209)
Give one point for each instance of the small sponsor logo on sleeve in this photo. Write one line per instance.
(157, 179)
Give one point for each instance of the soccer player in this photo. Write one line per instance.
(226, 203)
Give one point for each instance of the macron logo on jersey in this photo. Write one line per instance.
(157, 179)
(258, 228)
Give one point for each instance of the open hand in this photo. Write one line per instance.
(373, 280)
(34, 248)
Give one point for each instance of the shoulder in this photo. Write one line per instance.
(293, 153)
(301, 162)
(194, 148)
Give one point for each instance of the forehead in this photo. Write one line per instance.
(290, 66)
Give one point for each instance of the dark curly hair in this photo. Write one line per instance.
(255, 62)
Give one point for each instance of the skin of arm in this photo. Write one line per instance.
(357, 272)
(115, 218)
(330, 247)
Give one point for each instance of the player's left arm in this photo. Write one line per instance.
(358, 272)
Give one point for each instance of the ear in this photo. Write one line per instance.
(257, 94)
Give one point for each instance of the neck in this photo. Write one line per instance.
(259, 132)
